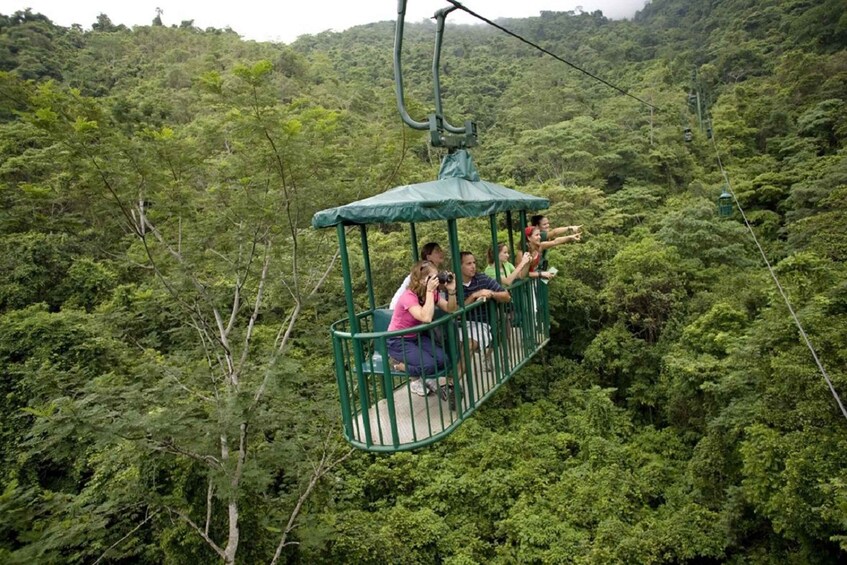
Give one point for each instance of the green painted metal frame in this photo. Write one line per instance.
(359, 386)
(725, 203)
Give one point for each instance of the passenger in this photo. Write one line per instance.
(430, 252)
(509, 273)
(417, 353)
(553, 237)
(533, 244)
(478, 286)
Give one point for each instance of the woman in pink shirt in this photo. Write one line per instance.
(417, 353)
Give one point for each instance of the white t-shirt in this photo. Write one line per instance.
(400, 292)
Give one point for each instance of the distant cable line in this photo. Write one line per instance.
(460, 6)
(776, 280)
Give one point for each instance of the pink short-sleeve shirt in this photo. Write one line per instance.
(402, 318)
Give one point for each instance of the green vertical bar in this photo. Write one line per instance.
(527, 315)
(510, 230)
(413, 236)
(492, 225)
(511, 237)
(543, 306)
(455, 251)
(452, 344)
(358, 355)
(367, 259)
(341, 377)
(348, 281)
(496, 321)
(453, 234)
(523, 231)
(388, 386)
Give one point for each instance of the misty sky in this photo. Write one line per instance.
(284, 21)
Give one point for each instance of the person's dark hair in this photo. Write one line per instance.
(427, 249)
(500, 246)
(536, 220)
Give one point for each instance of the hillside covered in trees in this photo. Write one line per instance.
(166, 377)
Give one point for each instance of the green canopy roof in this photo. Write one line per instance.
(458, 193)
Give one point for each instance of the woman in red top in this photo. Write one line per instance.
(533, 244)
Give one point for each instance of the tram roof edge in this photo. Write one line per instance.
(448, 198)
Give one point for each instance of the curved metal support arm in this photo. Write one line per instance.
(398, 71)
(440, 17)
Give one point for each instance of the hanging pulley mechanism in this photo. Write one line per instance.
(441, 132)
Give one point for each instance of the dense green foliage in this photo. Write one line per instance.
(165, 372)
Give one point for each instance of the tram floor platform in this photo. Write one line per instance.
(421, 417)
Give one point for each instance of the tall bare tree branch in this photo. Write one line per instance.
(132, 531)
(217, 549)
(321, 468)
(258, 304)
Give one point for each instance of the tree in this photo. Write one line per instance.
(220, 238)
(648, 280)
(104, 23)
(155, 191)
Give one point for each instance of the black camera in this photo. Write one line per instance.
(444, 277)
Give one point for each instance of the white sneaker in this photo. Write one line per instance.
(417, 387)
(432, 384)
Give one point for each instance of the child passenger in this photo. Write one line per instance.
(509, 273)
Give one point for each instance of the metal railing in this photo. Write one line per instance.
(395, 404)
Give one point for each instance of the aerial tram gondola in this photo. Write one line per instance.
(379, 410)
(725, 203)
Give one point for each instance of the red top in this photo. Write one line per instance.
(534, 263)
